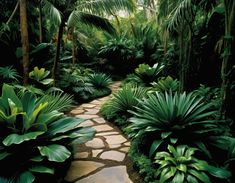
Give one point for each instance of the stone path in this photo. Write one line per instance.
(103, 159)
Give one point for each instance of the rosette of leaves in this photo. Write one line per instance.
(35, 137)
(179, 165)
(40, 76)
(149, 74)
(167, 117)
(166, 84)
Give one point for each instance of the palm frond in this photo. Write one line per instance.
(54, 14)
(92, 20)
(106, 6)
(182, 13)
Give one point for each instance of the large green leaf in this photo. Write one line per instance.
(55, 152)
(63, 125)
(26, 177)
(42, 169)
(154, 147)
(17, 139)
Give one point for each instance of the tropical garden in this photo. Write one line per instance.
(175, 59)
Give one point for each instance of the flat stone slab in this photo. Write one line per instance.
(91, 111)
(86, 123)
(124, 149)
(87, 116)
(127, 144)
(113, 155)
(101, 128)
(116, 174)
(81, 155)
(77, 111)
(96, 152)
(88, 105)
(95, 143)
(81, 168)
(115, 139)
(107, 133)
(99, 120)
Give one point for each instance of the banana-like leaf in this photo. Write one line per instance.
(55, 152)
(18, 139)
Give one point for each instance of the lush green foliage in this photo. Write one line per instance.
(179, 165)
(40, 75)
(123, 101)
(173, 118)
(166, 84)
(35, 134)
(149, 74)
(8, 74)
(100, 80)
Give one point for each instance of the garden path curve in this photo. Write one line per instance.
(103, 159)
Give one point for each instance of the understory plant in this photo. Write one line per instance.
(172, 118)
(166, 84)
(180, 165)
(148, 74)
(122, 101)
(35, 135)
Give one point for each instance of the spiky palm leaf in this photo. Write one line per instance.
(53, 12)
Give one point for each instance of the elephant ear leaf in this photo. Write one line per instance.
(55, 152)
(17, 139)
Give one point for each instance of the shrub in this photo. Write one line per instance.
(179, 165)
(8, 74)
(100, 80)
(35, 135)
(166, 84)
(173, 118)
(122, 101)
(149, 74)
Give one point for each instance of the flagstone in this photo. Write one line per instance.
(91, 111)
(127, 144)
(113, 155)
(99, 120)
(81, 168)
(88, 105)
(101, 128)
(77, 111)
(87, 116)
(115, 139)
(96, 152)
(86, 123)
(95, 143)
(81, 155)
(106, 133)
(117, 174)
(124, 149)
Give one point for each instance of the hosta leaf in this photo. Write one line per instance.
(63, 125)
(200, 175)
(42, 169)
(17, 139)
(26, 177)
(46, 81)
(55, 152)
(154, 147)
(179, 177)
(218, 172)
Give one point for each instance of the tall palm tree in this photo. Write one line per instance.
(90, 11)
(24, 40)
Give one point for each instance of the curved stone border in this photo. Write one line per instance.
(103, 159)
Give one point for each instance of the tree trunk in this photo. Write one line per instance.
(74, 46)
(24, 40)
(227, 64)
(181, 59)
(40, 23)
(57, 56)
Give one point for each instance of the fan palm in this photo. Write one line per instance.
(88, 11)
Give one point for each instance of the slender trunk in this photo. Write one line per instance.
(40, 23)
(57, 56)
(24, 40)
(13, 13)
(227, 64)
(181, 60)
(74, 46)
